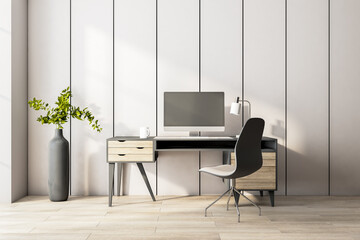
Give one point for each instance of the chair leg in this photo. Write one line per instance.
(237, 206)
(242, 194)
(227, 204)
(216, 200)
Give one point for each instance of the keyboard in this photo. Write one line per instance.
(193, 137)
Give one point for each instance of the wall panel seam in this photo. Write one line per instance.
(329, 99)
(286, 88)
(156, 90)
(70, 182)
(242, 62)
(27, 97)
(199, 156)
(113, 68)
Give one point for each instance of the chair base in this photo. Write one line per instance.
(232, 191)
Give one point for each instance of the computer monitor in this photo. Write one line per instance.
(194, 111)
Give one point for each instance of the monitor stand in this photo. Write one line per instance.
(194, 133)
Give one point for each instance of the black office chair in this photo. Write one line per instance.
(248, 159)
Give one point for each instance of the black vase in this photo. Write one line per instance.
(58, 182)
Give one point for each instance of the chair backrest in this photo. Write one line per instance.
(248, 157)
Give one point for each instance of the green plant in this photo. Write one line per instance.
(61, 114)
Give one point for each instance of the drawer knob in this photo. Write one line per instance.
(140, 147)
(121, 154)
(121, 140)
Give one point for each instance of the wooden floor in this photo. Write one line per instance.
(180, 218)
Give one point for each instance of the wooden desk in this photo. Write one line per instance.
(135, 150)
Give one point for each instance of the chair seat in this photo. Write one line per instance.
(220, 171)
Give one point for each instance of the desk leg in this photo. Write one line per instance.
(119, 169)
(143, 173)
(226, 161)
(111, 182)
(272, 198)
(226, 157)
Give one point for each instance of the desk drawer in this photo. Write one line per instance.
(133, 150)
(127, 144)
(130, 158)
(268, 155)
(264, 178)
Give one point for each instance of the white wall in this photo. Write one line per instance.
(91, 85)
(19, 88)
(285, 78)
(13, 100)
(308, 97)
(345, 98)
(5, 100)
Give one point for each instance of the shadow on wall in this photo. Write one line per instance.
(87, 158)
(92, 179)
(278, 130)
(307, 181)
(131, 178)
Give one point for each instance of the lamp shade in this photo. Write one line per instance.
(235, 108)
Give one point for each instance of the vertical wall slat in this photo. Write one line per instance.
(345, 98)
(5, 101)
(19, 97)
(307, 97)
(91, 84)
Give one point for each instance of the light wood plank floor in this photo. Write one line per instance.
(137, 217)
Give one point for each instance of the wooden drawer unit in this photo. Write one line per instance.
(262, 179)
(130, 158)
(123, 149)
(130, 150)
(130, 143)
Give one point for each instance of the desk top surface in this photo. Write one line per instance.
(183, 138)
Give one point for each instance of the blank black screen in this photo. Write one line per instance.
(194, 109)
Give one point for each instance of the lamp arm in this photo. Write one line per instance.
(249, 107)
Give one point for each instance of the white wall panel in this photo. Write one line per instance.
(5, 100)
(220, 71)
(307, 97)
(135, 80)
(264, 83)
(178, 70)
(49, 73)
(19, 100)
(92, 85)
(345, 98)
(135, 68)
